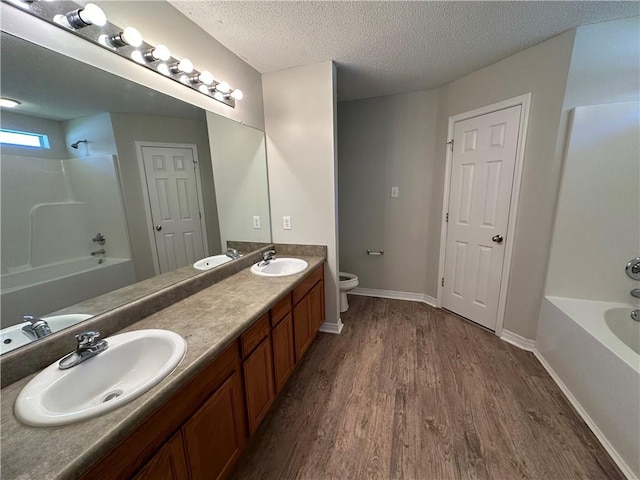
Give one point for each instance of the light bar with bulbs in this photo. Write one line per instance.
(90, 23)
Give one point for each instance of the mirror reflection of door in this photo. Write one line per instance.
(171, 179)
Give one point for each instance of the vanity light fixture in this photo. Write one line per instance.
(129, 36)
(90, 23)
(160, 52)
(91, 14)
(183, 66)
(8, 102)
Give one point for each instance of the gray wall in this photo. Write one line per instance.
(542, 70)
(129, 128)
(387, 142)
(300, 109)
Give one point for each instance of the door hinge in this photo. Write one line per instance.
(447, 219)
(442, 282)
(450, 144)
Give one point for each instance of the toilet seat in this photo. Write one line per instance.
(348, 280)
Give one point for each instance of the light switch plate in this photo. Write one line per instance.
(256, 221)
(394, 192)
(286, 223)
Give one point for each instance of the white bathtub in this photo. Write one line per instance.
(597, 370)
(45, 289)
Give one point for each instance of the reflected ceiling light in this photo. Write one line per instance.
(202, 77)
(8, 102)
(129, 36)
(91, 14)
(164, 69)
(183, 66)
(159, 52)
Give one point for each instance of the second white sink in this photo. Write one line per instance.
(132, 364)
(211, 262)
(280, 267)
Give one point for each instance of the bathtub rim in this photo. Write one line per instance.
(585, 313)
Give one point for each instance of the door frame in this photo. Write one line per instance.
(525, 102)
(147, 202)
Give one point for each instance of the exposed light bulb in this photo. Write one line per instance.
(183, 66)
(8, 102)
(219, 96)
(204, 89)
(137, 56)
(164, 69)
(184, 79)
(237, 94)
(223, 87)
(92, 14)
(129, 36)
(206, 77)
(157, 53)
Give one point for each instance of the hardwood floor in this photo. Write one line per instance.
(408, 391)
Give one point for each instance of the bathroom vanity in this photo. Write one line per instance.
(245, 335)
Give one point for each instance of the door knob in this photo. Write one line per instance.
(158, 227)
(497, 238)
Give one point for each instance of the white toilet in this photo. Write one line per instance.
(348, 281)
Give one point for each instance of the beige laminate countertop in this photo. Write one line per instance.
(209, 321)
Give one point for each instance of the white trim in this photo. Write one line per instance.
(396, 295)
(147, 205)
(525, 102)
(518, 340)
(587, 419)
(334, 328)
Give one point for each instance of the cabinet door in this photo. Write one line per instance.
(316, 307)
(283, 354)
(302, 327)
(214, 436)
(258, 383)
(168, 464)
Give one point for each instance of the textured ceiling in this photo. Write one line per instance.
(56, 87)
(389, 47)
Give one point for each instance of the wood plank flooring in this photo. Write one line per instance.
(411, 392)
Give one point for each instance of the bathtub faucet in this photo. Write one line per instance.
(98, 252)
(37, 328)
(635, 292)
(635, 315)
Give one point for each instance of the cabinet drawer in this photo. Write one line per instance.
(254, 335)
(301, 290)
(280, 310)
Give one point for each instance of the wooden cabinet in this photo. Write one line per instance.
(258, 383)
(168, 464)
(214, 436)
(284, 359)
(209, 419)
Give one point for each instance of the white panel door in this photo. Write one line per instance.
(173, 198)
(482, 171)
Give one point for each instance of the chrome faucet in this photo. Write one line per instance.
(635, 292)
(267, 257)
(98, 252)
(100, 239)
(37, 328)
(635, 315)
(87, 347)
(233, 253)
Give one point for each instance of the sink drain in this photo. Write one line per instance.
(111, 395)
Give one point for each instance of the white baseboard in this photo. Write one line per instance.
(517, 340)
(587, 419)
(393, 294)
(334, 328)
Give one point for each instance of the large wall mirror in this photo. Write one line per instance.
(124, 185)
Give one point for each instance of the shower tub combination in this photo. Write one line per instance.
(592, 350)
(51, 287)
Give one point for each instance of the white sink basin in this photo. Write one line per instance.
(13, 337)
(133, 363)
(280, 267)
(210, 262)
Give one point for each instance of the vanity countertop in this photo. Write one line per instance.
(208, 320)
